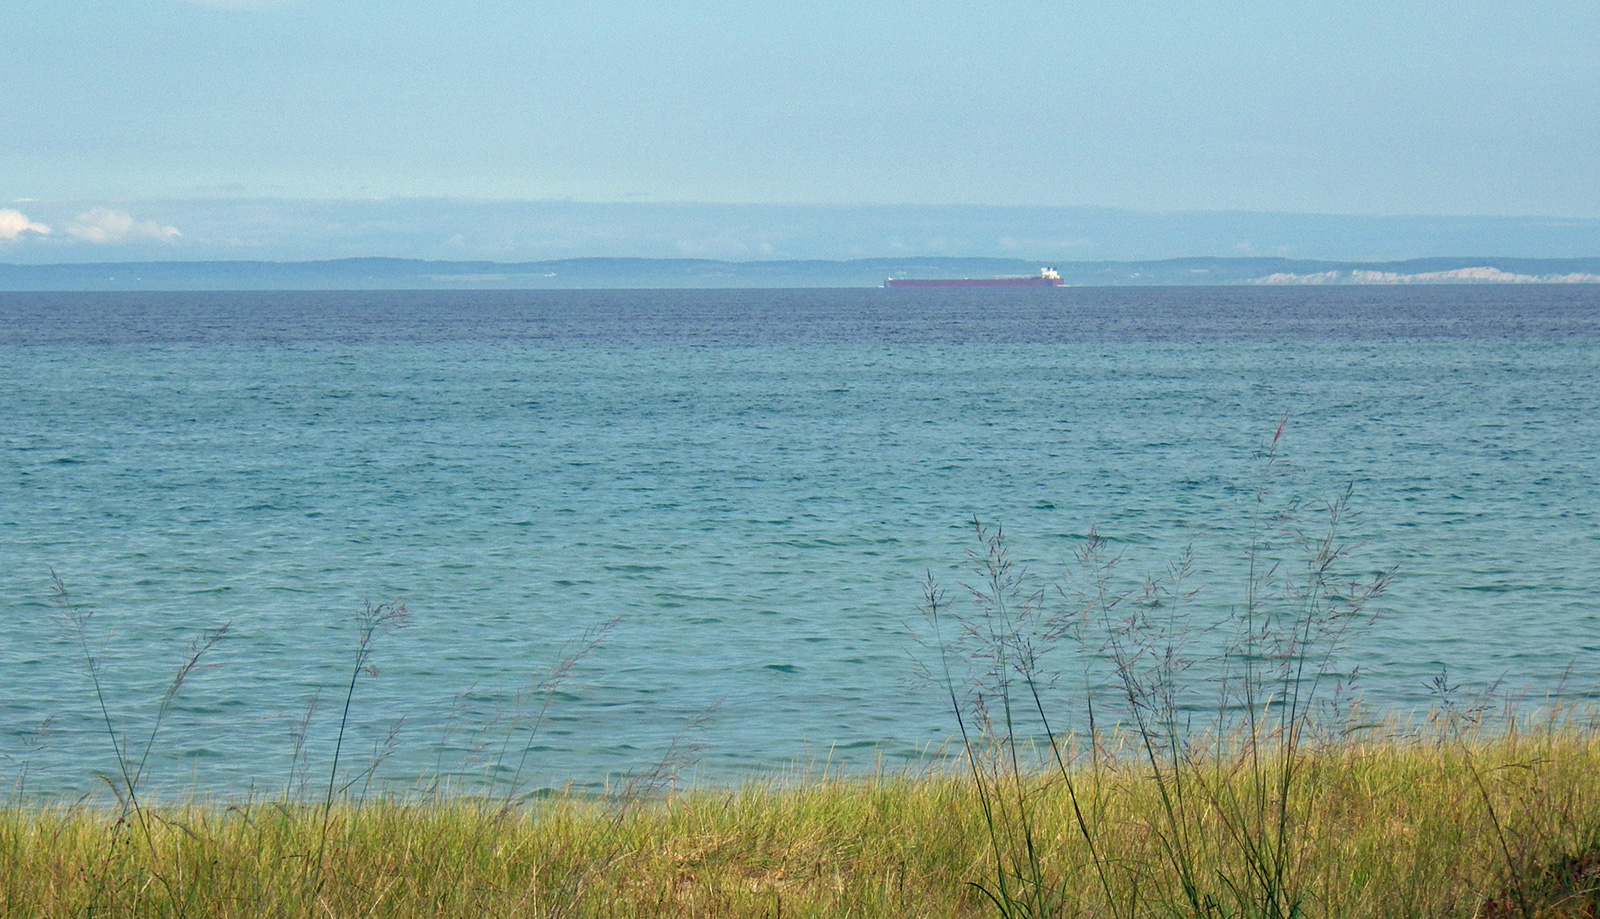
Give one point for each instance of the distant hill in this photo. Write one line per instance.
(593, 273)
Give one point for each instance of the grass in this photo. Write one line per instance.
(1241, 729)
(1223, 774)
(1393, 828)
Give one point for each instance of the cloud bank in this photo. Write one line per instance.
(14, 223)
(524, 231)
(1483, 274)
(104, 226)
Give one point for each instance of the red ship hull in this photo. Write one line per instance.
(973, 282)
(1045, 278)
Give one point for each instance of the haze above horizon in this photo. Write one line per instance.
(484, 129)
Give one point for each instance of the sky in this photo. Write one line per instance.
(229, 128)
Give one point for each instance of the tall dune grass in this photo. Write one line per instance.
(1241, 730)
(1252, 791)
(1398, 828)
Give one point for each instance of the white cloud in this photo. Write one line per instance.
(102, 225)
(1286, 277)
(1483, 274)
(14, 223)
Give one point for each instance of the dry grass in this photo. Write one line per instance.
(1400, 828)
(1276, 808)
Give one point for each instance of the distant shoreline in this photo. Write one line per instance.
(644, 273)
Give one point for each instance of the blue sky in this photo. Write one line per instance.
(119, 117)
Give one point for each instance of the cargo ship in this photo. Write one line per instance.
(1047, 277)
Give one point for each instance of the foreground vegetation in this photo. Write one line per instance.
(1508, 826)
(1241, 781)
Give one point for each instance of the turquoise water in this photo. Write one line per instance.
(752, 483)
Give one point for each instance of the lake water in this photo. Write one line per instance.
(753, 484)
